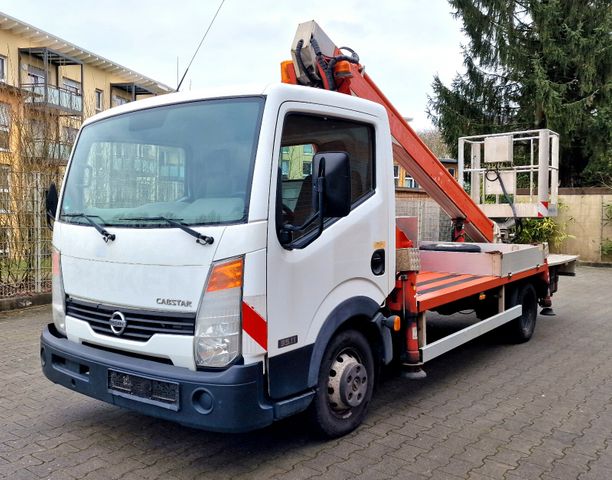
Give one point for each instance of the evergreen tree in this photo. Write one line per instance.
(535, 64)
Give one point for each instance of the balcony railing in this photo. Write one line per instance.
(49, 95)
(57, 152)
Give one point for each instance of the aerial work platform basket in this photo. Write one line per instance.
(511, 174)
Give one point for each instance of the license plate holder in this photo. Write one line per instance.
(144, 389)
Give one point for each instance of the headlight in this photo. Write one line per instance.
(58, 297)
(219, 317)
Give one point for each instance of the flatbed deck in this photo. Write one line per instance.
(438, 288)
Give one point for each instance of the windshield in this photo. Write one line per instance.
(188, 162)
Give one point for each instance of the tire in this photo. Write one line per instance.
(345, 385)
(521, 329)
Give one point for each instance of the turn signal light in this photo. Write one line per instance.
(393, 323)
(226, 275)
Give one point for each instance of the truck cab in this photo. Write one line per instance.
(202, 274)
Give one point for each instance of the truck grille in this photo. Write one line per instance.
(141, 324)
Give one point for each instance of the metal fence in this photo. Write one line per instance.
(25, 240)
(434, 223)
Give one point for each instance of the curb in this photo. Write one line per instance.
(595, 264)
(15, 303)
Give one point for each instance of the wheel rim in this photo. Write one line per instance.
(347, 381)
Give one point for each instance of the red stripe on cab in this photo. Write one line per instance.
(255, 325)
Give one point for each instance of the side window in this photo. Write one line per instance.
(296, 169)
(304, 136)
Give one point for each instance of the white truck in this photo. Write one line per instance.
(227, 259)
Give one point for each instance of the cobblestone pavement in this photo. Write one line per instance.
(487, 410)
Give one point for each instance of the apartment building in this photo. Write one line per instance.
(48, 86)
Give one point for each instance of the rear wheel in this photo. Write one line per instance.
(345, 385)
(521, 329)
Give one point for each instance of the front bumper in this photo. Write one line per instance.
(232, 400)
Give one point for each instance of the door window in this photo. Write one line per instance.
(304, 136)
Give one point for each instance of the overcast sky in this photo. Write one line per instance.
(402, 43)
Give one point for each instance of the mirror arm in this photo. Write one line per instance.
(292, 228)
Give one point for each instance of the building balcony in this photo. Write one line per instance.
(42, 71)
(45, 150)
(42, 95)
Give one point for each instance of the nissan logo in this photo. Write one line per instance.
(117, 323)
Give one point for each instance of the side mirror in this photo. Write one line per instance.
(51, 202)
(331, 196)
(331, 177)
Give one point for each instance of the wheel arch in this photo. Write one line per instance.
(357, 313)
(538, 281)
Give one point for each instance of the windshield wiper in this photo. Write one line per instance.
(201, 239)
(105, 233)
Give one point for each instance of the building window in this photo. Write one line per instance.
(99, 100)
(38, 130)
(36, 76)
(69, 135)
(4, 191)
(451, 171)
(72, 86)
(117, 100)
(5, 126)
(2, 69)
(410, 182)
(285, 169)
(396, 175)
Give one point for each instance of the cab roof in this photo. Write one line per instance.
(274, 89)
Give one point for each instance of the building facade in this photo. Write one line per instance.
(48, 86)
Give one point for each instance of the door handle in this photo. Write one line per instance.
(377, 262)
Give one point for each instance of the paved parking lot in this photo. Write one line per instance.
(487, 410)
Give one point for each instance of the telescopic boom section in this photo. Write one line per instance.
(317, 62)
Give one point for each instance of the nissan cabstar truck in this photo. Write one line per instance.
(229, 258)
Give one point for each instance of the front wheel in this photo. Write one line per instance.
(345, 385)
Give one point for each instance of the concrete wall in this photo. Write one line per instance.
(583, 214)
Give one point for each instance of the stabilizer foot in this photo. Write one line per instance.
(547, 312)
(413, 372)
